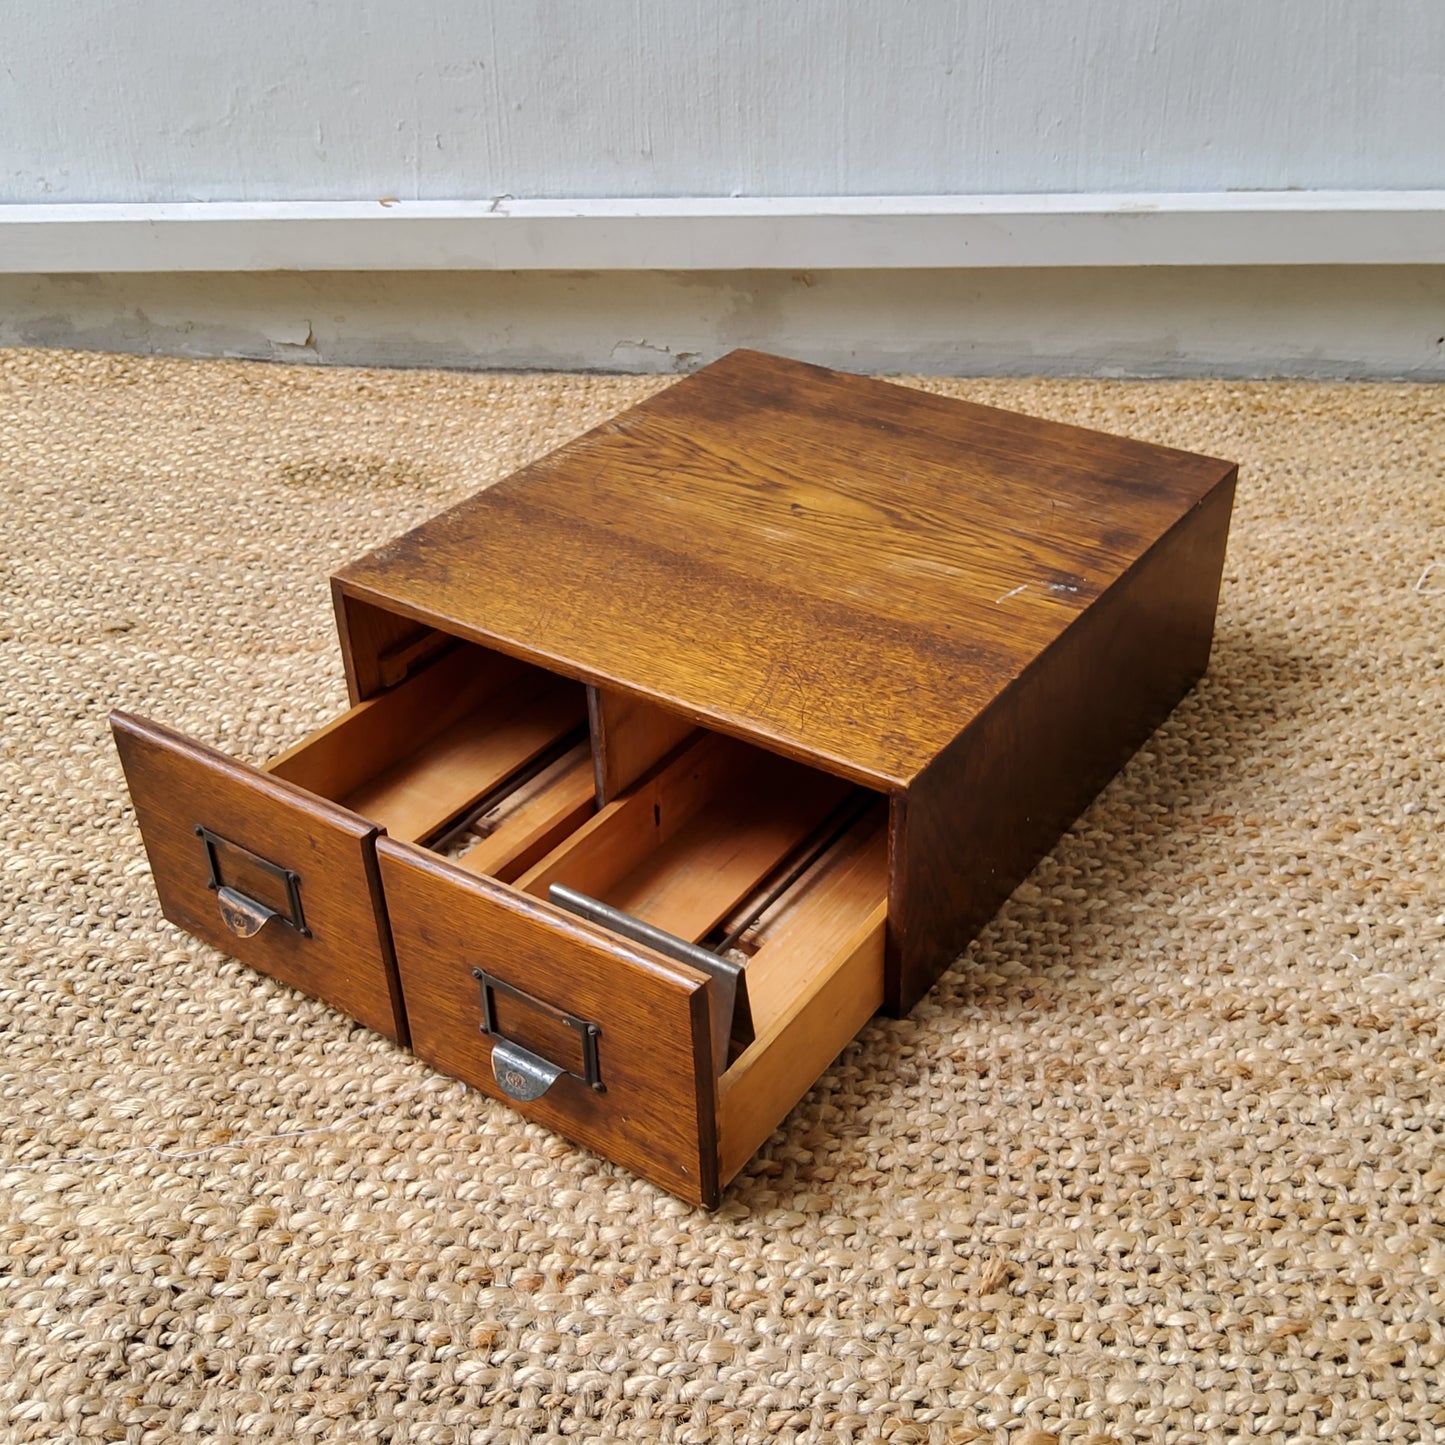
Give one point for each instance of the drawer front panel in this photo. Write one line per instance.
(594, 1037)
(268, 873)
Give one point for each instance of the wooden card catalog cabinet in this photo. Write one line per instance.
(679, 753)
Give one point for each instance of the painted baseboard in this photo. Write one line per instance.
(1231, 228)
(1336, 321)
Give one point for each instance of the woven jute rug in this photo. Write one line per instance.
(1159, 1160)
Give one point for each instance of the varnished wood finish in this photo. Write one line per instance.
(658, 1114)
(350, 750)
(862, 576)
(684, 848)
(838, 581)
(630, 828)
(977, 821)
(415, 757)
(435, 783)
(378, 646)
(813, 922)
(176, 784)
(848, 570)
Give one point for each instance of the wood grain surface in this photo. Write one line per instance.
(628, 737)
(658, 1114)
(977, 614)
(786, 1059)
(994, 803)
(346, 753)
(531, 821)
(377, 644)
(434, 784)
(176, 783)
(684, 848)
(846, 569)
(804, 934)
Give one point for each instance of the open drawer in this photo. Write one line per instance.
(277, 865)
(666, 982)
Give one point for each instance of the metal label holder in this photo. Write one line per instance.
(521, 1073)
(243, 914)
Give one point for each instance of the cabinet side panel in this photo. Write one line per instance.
(979, 818)
(379, 648)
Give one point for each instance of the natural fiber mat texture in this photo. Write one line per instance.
(1159, 1160)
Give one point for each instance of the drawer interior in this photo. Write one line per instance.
(433, 750)
(754, 859)
(775, 874)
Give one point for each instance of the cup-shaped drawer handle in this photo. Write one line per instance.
(242, 913)
(244, 916)
(521, 1073)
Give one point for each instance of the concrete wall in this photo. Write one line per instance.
(1382, 321)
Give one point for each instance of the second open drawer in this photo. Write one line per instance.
(631, 1045)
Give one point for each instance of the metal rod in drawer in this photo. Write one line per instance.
(730, 992)
(826, 835)
(449, 834)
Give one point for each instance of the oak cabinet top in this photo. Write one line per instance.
(845, 569)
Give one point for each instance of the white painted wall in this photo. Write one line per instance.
(197, 100)
(1259, 185)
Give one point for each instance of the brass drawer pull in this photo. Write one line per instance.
(519, 1072)
(244, 915)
